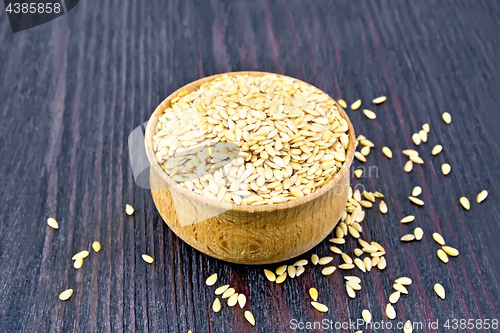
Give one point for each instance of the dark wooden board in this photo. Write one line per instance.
(73, 89)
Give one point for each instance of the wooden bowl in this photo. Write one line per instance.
(247, 234)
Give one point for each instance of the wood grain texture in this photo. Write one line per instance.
(73, 89)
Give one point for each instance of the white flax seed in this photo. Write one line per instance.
(482, 196)
(301, 262)
(249, 317)
(356, 105)
(465, 203)
(328, 270)
(408, 219)
(129, 209)
(313, 292)
(216, 305)
(379, 100)
(233, 300)
(417, 190)
(408, 166)
(369, 114)
(350, 291)
(447, 118)
(221, 289)
(405, 281)
(96, 246)
(439, 290)
(51, 222)
(416, 201)
(281, 278)
(383, 207)
(314, 259)
(387, 152)
(394, 297)
(408, 327)
(65, 295)
(242, 300)
(147, 258)
(445, 168)
(367, 316)
(211, 279)
(280, 270)
(325, 260)
(437, 149)
(228, 293)
(450, 251)
(438, 238)
(342, 103)
(269, 275)
(320, 307)
(408, 238)
(419, 233)
(390, 312)
(442, 255)
(416, 139)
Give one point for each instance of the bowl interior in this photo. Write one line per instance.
(150, 131)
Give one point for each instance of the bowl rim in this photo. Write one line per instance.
(151, 126)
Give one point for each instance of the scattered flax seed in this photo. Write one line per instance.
(419, 233)
(375, 261)
(147, 258)
(281, 278)
(379, 100)
(447, 118)
(405, 281)
(387, 152)
(465, 203)
(342, 103)
(51, 222)
(367, 263)
(379, 195)
(328, 270)
(482, 196)
(408, 166)
(242, 300)
(365, 151)
(356, 105)
(442, 255)
(280, 270)
(216, 305)
(423, 135)
(366, 203)
(353, 279)
(408, 238)
(358, 252)
(314, 259)
(354, 286)
(450, 251)
(346, 266)
(363, 243)
(301, 262)
(292, 271)
(416, 201)
(346, 258)
(96, 246)
(417, 190)
(211, 279)
(336, 250)
(409, 152)
(382, 263)
(353, 232)
(408, 219)
(383, 207)
(313, 292)
(367, 316)
(400, 288)
(65, 295)
(78, 263)
(439, 290)
(233, 300)
(426, 127)
(325, 260)
(82, 254)
(129, 209)
(337, 240)
(228, 293)
(390, 312)
(369, 196)
(359, 263)
(408, 327)
(221, 289)
(369, 114)
(300, 270)
(394, 298)
(416, 159)
(249, 317)
(438, 238)
(416, 139)
(358, 173)
(437, 149)
(269, 275)
(320, 307)
(350, 291)
(446, 168)
(360, 157)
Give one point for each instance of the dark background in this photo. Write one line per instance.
(73, 89)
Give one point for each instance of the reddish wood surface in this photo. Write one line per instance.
(73, 89)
